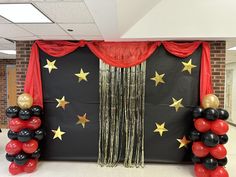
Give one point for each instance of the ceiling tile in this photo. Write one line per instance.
(78, 37)
(11, 31)
(5, 56)
(44, 29)
(13, 1)
(3, 20)
(66, 12)
(82, 29)
(56, 37)
(24, 38)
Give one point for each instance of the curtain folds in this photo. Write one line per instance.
(121, 115)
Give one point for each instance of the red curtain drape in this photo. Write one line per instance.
(119, 54)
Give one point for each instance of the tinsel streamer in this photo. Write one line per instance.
(121, 116)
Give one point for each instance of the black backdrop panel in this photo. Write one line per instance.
(82, 143)
(77, 143)
(178, 85)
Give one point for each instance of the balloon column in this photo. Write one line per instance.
(209, 137)
(25, 133)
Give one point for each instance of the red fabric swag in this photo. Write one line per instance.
(118, 54)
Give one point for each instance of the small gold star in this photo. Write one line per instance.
(58, 133)
(62, 102)
(158, 78)
(82, 75)
(82, 120)
(177, 104)
(50, 65)
(160, 128)
(188, 66)
(183, 142)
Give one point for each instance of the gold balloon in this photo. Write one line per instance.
(210, 101)
(25, 101)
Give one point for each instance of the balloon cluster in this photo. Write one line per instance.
(25, 133)
(209, 137)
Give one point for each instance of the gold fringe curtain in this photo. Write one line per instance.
(121, 115)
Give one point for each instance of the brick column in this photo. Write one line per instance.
(218, 68)
(23, 49)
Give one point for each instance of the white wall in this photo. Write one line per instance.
(232, 67)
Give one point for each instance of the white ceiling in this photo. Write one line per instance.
(127, 20)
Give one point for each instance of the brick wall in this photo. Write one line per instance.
(218, 68)
(3, 87)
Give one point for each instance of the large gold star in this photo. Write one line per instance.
(82, 75)
(62, 102)
(188, 66)
(50, 65)
(183, 142)
(158, 78)
(177, 104)
(58, 133)
(82, 120)
(160, 128)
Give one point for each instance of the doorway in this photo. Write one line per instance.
(11, 85)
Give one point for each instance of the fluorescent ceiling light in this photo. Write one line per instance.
(9, 52)
(232, 48)
(23, 13)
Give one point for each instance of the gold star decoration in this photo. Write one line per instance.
(183, 142)
(158, 78)
(82, 75)
(58, 133)
(160, 128)
(82, 120)
(62, 102)
(177, 104)
(188, 66)
(50, 65)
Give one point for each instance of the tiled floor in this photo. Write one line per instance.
(82, 169)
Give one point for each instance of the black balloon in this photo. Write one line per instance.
(196, 159)
(197, 112)
(223, 114)
(9, 157)
(194, 135)
(12, 135)
(223, 139)
(36, 111)
(25, 114)
(21, 158)
(210, 139)
(222, 162)
(210, 114)
(12, 111)
(36, 154)
(39, 134)
(210, 163)
(24, 135)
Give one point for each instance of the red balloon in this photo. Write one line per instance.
(219, 127)
(30, 166)
(201, 171)
(202, 125)
(30, 146)
(219, 172)
(219, 151)
(199, 149)
(34, 123)
(17, 124)
(15, 169)
(13, 147)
